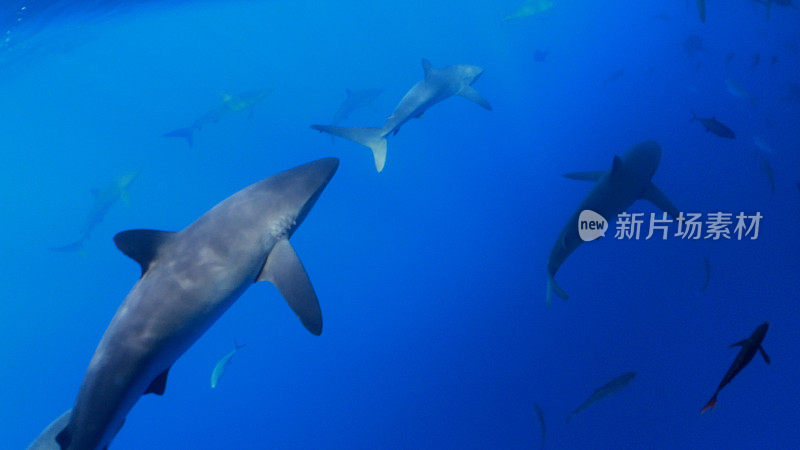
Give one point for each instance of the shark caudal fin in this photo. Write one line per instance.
(373, 138)
(552, 286)
(710, 405)
(186, 133)
(47, 440)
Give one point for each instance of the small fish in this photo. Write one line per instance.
(729, 58)
(615, 75)
(693, 45)
(749, 346)
(712, 125)
(773, 60)
(540, 55)
(763, 146)
(701, 9)
(766, 167)
(707, 267)
(531, 8)
(219, 368)
(756, 60)
(663, 16)
(610, 388)
(540, 415)
(737, 90)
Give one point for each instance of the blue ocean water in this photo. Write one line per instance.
(430, 274)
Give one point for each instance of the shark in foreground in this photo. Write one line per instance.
(610, 388)
(246, 101)
(103, 200)
(189, 279)
(438, 85)
(749, 346)
(615, 190)
(219, 368)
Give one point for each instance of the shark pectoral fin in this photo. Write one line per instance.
(427, 67)
(739, 344)
(585, 176)
(284, 269)
(763, 354)
(616, 165)
(141, 245)
(159, 385)
(655, 196)
(48, 439)
(471, 94)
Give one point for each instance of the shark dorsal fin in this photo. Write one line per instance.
(141, 245)
(616, 165)
(159, 385)
(427, 67)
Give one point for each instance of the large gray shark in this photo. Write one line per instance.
(628, 180)
(246, 101)
(438, 85)
(189, 279)
(103, 200)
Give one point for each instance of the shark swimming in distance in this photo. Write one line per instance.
(355, 100)
(246, 101)
(188, 280)
(102, 201)
(714, 126)
(615, 190)
(438, 84)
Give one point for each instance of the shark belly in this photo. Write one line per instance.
(160, 319)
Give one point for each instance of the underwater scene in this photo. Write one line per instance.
(518, 224)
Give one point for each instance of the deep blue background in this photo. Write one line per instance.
(431, 274)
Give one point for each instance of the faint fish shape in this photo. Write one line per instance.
(219, 368)
(610, 388)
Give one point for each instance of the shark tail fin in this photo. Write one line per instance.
(72, 247)
(710, 405)
(49, 439)
(374, 138)
(186, 133)
(552, 286)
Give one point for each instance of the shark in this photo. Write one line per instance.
(356, 99)
(245, 101)
(714, 126)
(439, 84)
(628, 180)
(102, 201)
(750, 346)
(188, 280)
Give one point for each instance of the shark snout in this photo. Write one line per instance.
(307, 183)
